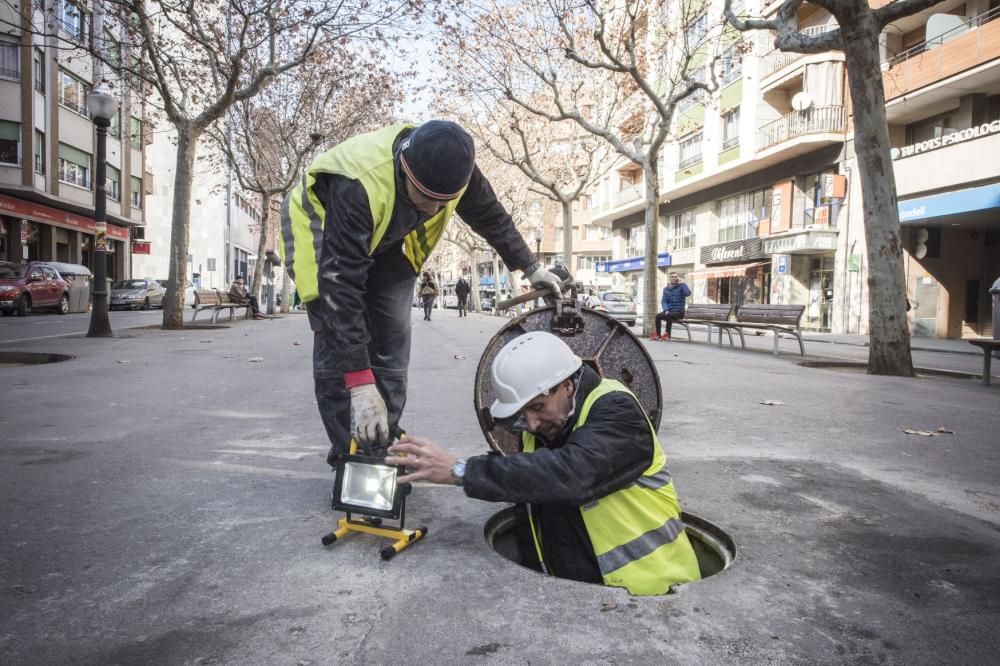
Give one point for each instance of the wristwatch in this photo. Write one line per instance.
(458, 471)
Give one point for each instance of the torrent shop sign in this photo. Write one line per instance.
(734, 252)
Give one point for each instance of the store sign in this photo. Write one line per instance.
(47, 215)
(141, 247)
(803, 242)
(630, 264)
(979, 131)
(733, 252)
(950, 203)
(782, 263)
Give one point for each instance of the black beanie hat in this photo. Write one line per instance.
(438, 157)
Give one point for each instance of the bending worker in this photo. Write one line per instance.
(356, 230)
(601, 506)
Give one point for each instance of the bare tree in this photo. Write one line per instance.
(860, 27)
(270, 138)
(618, 70)
(198, 59)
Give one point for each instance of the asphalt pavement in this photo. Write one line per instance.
(163, 495)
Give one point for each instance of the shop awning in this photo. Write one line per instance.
(727, 271)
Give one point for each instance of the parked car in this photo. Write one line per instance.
(142, 293)
(620, 306)
(32, 286)
(190, 293)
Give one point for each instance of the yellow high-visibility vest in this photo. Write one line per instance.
(636, 532)
(366, 158)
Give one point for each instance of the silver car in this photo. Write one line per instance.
(620, 306)
(135, 294)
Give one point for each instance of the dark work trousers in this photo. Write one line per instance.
(461, 305)
(669, 318)
(428, 306)
(387, 299)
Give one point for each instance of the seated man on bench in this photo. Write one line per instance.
(672, 304)
(238, 295)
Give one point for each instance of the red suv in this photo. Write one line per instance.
(32, 285)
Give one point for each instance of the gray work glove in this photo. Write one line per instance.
(543, 278)
(369, 418)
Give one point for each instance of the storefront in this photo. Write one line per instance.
(35, 232)
(803, 272)
(735, 272)
(631, 272)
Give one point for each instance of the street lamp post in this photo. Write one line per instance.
(538, 242)
(102, 106)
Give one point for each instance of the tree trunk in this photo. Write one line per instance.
(889, 350)
(261, 266)
(285, 292)
(496, 282)
(173, 308)
(650, 299)
(473, 281)
(567, 217)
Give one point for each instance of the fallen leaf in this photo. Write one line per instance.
(459, 357)
(945, 431)
(922, 433)
(296, 344)
(608, 606)
(771, 402)
(121, 360)
(229, 356)
(256, 359)
(205, 342)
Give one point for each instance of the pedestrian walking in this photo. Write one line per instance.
(428, 294)
(462, 290)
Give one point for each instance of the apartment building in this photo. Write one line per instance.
(941, 73)
(753, 187)
(47, 145)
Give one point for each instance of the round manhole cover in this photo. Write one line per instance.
(9, 359)
(715, 550)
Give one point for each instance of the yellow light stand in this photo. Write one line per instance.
(373, 525)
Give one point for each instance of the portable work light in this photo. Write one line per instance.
(368, 486)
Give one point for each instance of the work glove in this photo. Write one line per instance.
(369, 418)
(543, 278)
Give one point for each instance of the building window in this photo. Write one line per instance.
(740, 215)
(10, 142)
(635, 241)
(690, 151)
(38, 71)
(74, 166)
(588, 262)
(699, 75)
(931, 128)
(696, 31)
(731, 128)
(72, 19)
(115, 129)
(814, 193)
(113, 183)
(10, 58)
(680, 230)
(39, 152)
(136, 192)
(732, 64)
(596, 232)
(135, 132)
(73, 93)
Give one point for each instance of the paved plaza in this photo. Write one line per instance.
(163, 496)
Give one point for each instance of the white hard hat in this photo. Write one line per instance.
(527, 366)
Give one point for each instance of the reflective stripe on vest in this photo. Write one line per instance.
(368, 159)
(637, 533)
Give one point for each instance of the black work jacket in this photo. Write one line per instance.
(609, 452)
(345, 261)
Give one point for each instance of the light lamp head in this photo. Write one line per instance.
(367, 486)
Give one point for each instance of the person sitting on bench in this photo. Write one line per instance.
(238, 295)
(674, 296)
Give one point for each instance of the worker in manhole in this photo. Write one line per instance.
(601, 505)
(355, 232)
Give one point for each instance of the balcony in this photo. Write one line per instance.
(819, 119)
(625, 196)
(777, 59)
(965, 47)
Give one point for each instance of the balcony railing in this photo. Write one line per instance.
(974, 22)
(800, 123)
(731, 142)
(690, 161)
(778, 59)
(627, 195)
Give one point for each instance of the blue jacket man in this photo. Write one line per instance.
(672, 305)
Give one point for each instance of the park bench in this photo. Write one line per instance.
(709, 315)
(212, 300)
(779, 319)
(988, 346)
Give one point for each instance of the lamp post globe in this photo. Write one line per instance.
(102, 107)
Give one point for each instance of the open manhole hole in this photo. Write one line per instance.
(8, 359)
(715, 550)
